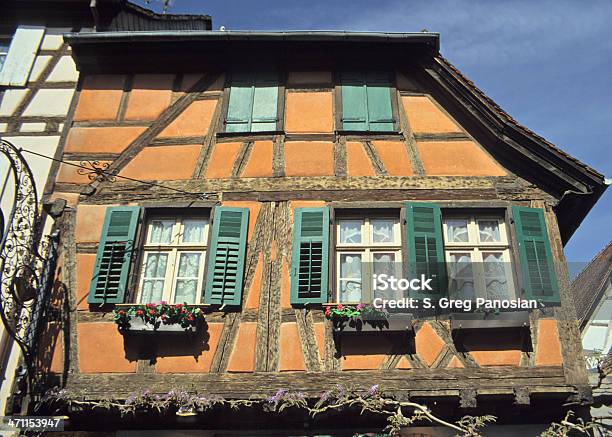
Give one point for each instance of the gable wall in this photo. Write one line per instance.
(164, 128)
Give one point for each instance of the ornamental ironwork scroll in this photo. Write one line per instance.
(27, 266)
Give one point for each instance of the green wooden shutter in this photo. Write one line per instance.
(426, 247)
(253, 102)
(354, 102)
(227, 254)
(310, 256)
(539, 277)
(380, 111)
(114, 255)
(366, 102)
(240, 105)
(265, 102)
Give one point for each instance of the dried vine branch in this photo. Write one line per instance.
(337, 399)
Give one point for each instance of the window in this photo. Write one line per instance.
(478, 257)
(173, 260)
(366, 246)
(4, 48)
(253, 103)
(367, 102)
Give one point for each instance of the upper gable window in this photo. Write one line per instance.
(367, 102)
(253, 103)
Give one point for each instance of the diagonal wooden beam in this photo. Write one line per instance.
(169, 115)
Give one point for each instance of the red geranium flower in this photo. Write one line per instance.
(340, 306)
(327, 311)
(122, 313)
(139, 312)
(152, 312)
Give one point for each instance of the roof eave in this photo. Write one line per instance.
(428, 38)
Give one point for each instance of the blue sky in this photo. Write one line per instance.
(548, 63)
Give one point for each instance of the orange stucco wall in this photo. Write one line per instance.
(426, 117)
(291, 356)
(309, 112)
(222, 160)
(191, 354)
(193, 121)
(101, 139)
(358, 162)
(164, 162)
(548, 352)
(151, 94)
(99, 98)
(457, 158)
(259, 164)
(428, 344)
(243, 356)
(102, 349)
(312, 158)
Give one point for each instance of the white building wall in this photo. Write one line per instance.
(33, 118)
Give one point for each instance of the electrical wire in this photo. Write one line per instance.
(110, 175)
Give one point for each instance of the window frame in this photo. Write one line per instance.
(160, 212)
(280, 104)
(338, 108)
(369, 248)
(476, 248)
(8, 39)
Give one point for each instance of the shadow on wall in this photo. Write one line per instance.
(152, 346)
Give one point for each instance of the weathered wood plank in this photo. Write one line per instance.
(312, 383)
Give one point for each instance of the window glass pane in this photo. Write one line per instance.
(187, 278)
(496, 279)
(461, 276)
(154, 277)
(488, 231)
(161, 231)
(457, 230)
(193, 231)
(382, 231)
(350, 277)
(4, 47)
(155, 266)
(152, 291)
(385, 264)
(350, 231)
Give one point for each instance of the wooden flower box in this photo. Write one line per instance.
(138, 326)
(394, 323)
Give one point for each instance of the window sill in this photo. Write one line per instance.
(368, 133)
(515, 319)
(249, 134)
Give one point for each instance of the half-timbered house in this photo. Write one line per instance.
(263, 178)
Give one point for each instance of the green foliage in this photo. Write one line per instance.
(156, 314)
(570, 427)
(351, 312)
